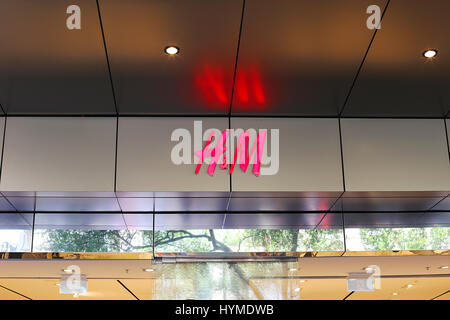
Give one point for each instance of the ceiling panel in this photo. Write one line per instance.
(46, 68)
(299, 57)
(144, 289)
(46, 289)
(422, 289)
(9, 295)
(443, 205)
(272, 221)
(82, 221)
(445, 296)
(396, 80)
(188, 221)
(148, 81)
(293, 289)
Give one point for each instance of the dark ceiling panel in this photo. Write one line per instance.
(196, 81)
(396, 80)
(47, 68)
(300, 57)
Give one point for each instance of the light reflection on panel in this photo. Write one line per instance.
(443, 205)
(5, 205)
(136, 204)
(385, 204)
(191, 204)
(436, 219)
(373, 220)
(331, 221)
(77, 204)
(22, 203)
(361, 220)
(81, 221)
(15, 232)
(293, 289)
(281, 204)
(15, 220)
(141, 221)
(188, 221)
(272, 221)
(78, 194)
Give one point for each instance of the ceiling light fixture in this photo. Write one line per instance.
(68, 270)
(148, 270)
(444, 267)
(302, 281)
(172, 50)
(410, 285)
(293, 269)
(431, 53)
(395, 294)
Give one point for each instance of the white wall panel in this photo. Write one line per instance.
(59, 154)
(395, 155)
(309, 156)
(144, 156)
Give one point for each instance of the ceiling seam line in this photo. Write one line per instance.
(440, 295)
(116, 156)
(446, 138)
(3, 147)
(348, 295)
(341, 147)
(363, 61)
(447, 114)
(237, 57)
(430, 209)
(125, 287)
(233, 84)
(107, 58)
(15, 292)
(326, 213)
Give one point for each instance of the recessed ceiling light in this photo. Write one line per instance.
(431, 53)
(148, 270)
(395, 294)
(302, 281)
(58, 284)
(292, 269)
(171, 50)
(410, 285)
(297, 290)
(444, 267)
(68, 270)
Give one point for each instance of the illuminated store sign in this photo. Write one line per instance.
(227, 148)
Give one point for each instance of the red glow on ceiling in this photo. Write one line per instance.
(214, 85)
(249, 89)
